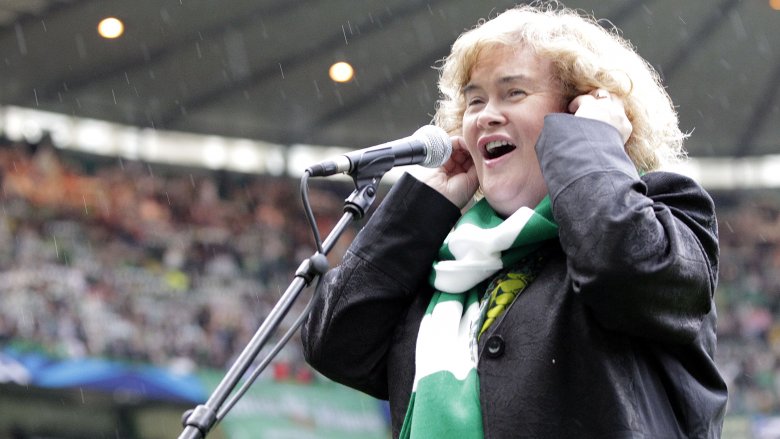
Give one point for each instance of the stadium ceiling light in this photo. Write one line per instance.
(111, 27)
(341, 72)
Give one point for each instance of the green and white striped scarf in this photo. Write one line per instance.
(445, 395)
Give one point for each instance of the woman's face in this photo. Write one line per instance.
(509, 92)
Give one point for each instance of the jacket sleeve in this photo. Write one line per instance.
(642, 253)
(360, 303)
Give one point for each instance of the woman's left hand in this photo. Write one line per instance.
(602, 105)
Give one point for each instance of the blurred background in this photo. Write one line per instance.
(150, 156)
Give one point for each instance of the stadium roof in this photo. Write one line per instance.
(258, 69)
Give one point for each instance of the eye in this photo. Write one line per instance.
(517, 92)
(475, 100)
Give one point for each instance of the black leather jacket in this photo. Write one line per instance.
(614, 339)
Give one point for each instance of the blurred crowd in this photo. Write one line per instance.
(748, 299)
(131, 261)
(179, 267)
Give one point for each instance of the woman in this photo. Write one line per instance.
(575, 298)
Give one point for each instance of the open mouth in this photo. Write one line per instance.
(498, 148)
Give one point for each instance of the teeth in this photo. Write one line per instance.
(496, 144)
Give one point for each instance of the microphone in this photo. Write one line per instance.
(429, 146)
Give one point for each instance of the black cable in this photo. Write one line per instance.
(307, 209)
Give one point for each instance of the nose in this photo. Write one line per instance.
(490, 116)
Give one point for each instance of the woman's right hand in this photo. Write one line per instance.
(457, 178)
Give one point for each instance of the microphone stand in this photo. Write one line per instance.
(200, 420)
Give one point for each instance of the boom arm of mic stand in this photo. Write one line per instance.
(199, 421)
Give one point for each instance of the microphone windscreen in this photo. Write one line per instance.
(438, 143)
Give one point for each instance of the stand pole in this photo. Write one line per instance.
(199, 421)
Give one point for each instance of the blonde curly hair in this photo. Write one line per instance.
(585, 56)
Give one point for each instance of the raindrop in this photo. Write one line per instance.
(236, 54)
(317, 88)
(56, 247)
(263, 30)
(423, 99)
(725, 102)
(197, 50)
(35, 92)
(145, 52)
(165, 16)
(739, 27)
(81, 46)
(281, 70)
(345, 35)
(20, 41)
(763, 45)
(113, 95)
(43, 23)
